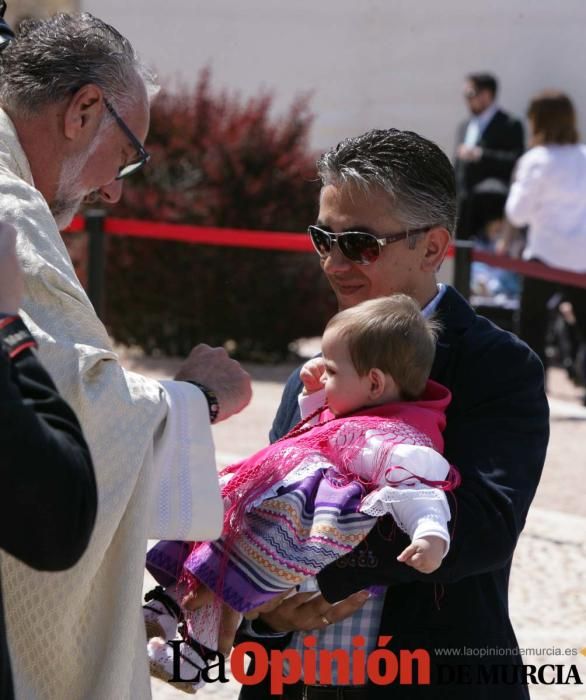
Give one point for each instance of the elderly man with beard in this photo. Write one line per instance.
(74, 115)
(386, 217)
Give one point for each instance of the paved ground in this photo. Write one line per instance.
(548, 596)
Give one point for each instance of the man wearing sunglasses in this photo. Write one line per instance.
(386, 218)
(74, 116)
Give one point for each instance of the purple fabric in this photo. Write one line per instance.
(284, 540)
(165, 560)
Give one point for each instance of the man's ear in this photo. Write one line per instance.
(83, 114)
(377, 383)
(435, 246)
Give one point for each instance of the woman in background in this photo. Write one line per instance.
(548, 195)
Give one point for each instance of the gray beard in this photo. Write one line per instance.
(64, 210)
(68, 198)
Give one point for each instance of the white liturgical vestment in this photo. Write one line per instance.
(79, 634)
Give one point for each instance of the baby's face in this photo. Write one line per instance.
(345, 390)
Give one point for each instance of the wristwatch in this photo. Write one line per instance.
(211, 398)
(15, 336)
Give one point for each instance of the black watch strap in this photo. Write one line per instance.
(211, 398)
(263, 629)
(15, 336)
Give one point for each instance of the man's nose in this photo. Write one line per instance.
(336, 261)
(111, 192)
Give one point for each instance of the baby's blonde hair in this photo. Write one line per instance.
(390, 334)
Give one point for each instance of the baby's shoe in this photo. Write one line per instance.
(162, 614)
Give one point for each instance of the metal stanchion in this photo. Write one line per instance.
(462, 266)
(94, 224)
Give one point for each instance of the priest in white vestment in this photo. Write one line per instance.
(76, 127)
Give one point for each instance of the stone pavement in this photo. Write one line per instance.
(548, 595)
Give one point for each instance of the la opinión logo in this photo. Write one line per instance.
(381, 666)
(354, 667)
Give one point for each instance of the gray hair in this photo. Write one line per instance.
(413, 171)
(51, 59)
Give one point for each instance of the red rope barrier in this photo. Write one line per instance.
(275, 240)
(209, 235)
(531, 269)
(77, 225)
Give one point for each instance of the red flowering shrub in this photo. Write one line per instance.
(219, 161)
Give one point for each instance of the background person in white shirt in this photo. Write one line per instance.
(548, 195)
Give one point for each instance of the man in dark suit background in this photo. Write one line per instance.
(488, 146)
(399, 187)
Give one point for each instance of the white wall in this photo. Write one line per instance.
(17, 9)
(369, 63)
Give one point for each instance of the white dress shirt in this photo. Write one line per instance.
(478, 123)
(548, 195)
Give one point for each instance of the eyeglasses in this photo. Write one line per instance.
(470, 93)
(143, 156)
(359, 247)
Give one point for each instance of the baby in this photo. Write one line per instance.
(373, 449)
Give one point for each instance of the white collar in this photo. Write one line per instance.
(483, 119)
(432, 305)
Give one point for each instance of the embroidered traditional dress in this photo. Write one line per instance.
(312, 497)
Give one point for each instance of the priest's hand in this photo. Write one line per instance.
(11, 281)
(214, 369)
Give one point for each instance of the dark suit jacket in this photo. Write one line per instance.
(502, 144)
(497, 433)
(48, 498)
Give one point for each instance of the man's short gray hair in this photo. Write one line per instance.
(51, 59)
(413, 171)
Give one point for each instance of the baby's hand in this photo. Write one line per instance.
(424, 554)
(311, 375)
